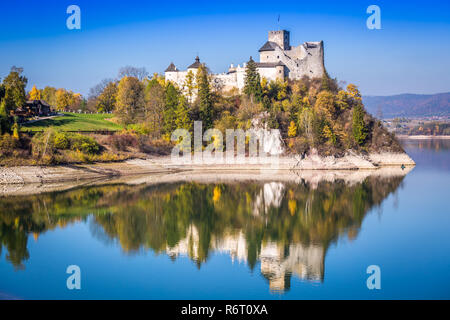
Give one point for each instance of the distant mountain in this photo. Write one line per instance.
(409, 105)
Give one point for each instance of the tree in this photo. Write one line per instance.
(4, 119)
(325, 82)
(63, 99)
(204, 98)
(154, 105)
(106, 101)
(189, 85)
(75, 101)
(130, 100)
(2, 91)
(226, 121)
(35, 94)
(282, 87)
(292, 130)
(182, 120)
(170, 106)
(325, 105)
(15, 84)
(49, 95)
(97, 90)
(306, 118)
(129, 71)
(360, 130)
(329, 134)
(342, 100)
(354, 93)
(252, 86)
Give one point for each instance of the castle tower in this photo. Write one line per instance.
(277, 60)
(193, 67)
(281, 38)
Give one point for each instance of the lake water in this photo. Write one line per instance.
(240, 240)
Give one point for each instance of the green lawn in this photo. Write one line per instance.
(75, 122)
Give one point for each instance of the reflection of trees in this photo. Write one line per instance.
(287, 227)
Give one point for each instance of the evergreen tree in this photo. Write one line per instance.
(182, 120)
(252, 85)
(4, 119)
(170, 106)
(359, 127)
(190, 85)
(204, 99)
(15, 84)
(2, 92)
(325, 82)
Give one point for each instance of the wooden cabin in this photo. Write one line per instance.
(33, 108)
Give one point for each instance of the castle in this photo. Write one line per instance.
(277, 60)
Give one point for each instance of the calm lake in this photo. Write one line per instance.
(236, 240)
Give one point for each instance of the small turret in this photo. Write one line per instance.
(171, 68)
(196, 64)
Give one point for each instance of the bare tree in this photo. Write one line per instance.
(97, 90)
(130, 71)
(19, 70)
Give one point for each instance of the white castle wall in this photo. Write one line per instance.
(306, 59)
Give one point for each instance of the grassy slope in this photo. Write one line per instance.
(75, 122)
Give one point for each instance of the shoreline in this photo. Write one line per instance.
(312, 177)
(422, 137)
(162, 165)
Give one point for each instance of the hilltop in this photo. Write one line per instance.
(312, 122)
(409, 105)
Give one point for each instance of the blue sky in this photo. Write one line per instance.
(410, 54)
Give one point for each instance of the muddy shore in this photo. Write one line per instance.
(37, 179)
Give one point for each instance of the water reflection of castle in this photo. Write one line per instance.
(286, 226)
(277, 262)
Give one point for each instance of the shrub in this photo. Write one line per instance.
(61, 140)
(42, 143)
(51, 141)
(141, 128)
(7, 144)
(121, 142)
(300, 145)
(227, 121)
(158, 147)
(85, 144)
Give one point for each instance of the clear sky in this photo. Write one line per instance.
(410, 54)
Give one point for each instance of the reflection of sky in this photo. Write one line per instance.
(438, 159)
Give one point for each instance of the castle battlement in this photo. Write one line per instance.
(277, 60)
